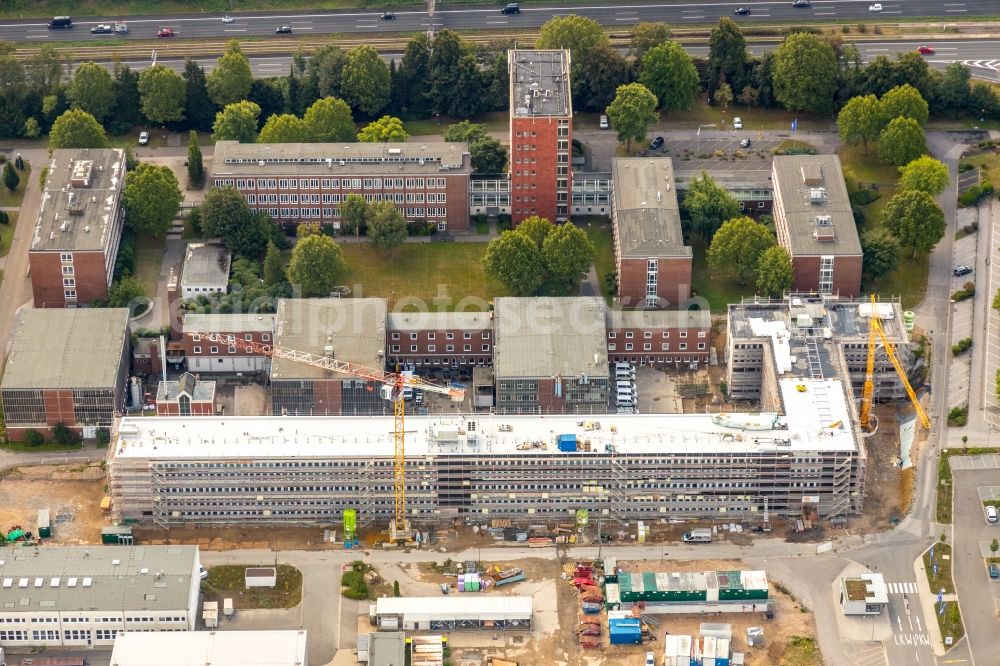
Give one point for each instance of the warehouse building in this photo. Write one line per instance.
(215, 648)
(690, 592)
(79, 596)
(66, 366)
(452, 613)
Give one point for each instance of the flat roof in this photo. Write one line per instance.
(68, 578)
(218, 648)
(206, 263)
(539, 83)
(548, 336)
(818, 316)
(66, 348)
(616, 318)
(332, 160)
(80, 203)
(647, 217)
(438, 321)
(329, 437)
(352, 329)
(472, 606)
(229, 323)
(869, 588)
(814, 198)
(385, 648)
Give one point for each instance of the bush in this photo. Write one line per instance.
(968, 290)
(961, 346)
(65, 436)
(42, 176)
(975, 193)
(965, 166)
(4, 217)
(103, 437)
(864, 196)
(33, 438)
(958, 416)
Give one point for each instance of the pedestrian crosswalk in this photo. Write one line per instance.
(902, 588)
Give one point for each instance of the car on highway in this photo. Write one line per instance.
(511, 8)
(875, 8)
(993, 570)
(746, 143)
(60, 22)
(102, 29)
(227, 19)
(283, 30)
(603, 124)
(388, 16)
(165, 32)
(925, 50)
(991, 513)
(737, 123)
(656, 143)
(801, 3)
(742, 11)
(961, 270)
(143, 138)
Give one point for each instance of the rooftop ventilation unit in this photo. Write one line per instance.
(817, 195)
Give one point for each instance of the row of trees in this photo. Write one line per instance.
(744, 249)
(896, 121)
(539, 253)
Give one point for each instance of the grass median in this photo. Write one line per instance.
(944, 484)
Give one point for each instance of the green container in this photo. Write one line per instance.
(350, 524)
(112, 536)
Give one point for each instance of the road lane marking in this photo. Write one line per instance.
(630, 18)
(234, 30)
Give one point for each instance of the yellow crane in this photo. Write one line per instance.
(875, 330)
(393, 385)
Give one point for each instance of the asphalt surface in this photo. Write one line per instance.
(467, 18)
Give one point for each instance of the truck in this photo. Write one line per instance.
(698, 535)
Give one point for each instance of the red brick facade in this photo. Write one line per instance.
(172, 408)
(656, 346)
(540, 175)
(56, 277)
(444, 348)
(846, 274)
(673, 281)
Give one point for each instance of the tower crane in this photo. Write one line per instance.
(875, 329)
(392, 384)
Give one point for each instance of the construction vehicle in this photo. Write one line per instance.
(875, 330)
(350, 528)
(393, 385)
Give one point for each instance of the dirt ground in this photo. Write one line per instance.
(888, 489)
(72, 494)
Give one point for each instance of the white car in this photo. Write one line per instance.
(202, 572)
(991, 513)
(737, 123)
(227, 19)
(650, 659)
(604, 122)
(875, 8)
(143, 138)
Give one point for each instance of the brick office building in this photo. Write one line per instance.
(659, 337)
(188, 396)
(654, 265)
(814, 222)
(66, 366)
(541, 134)
(204, 356)
(308, 182)
(75, 241)
(440, 339)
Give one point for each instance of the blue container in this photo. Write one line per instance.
(567, 443)
(624, 631)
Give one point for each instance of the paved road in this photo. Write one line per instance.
(465, 18)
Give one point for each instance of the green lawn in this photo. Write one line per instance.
(148, 259)
(495, 121)
(8, 198)
(754, 119)
(718, 291)
(951, 622)
(47, 447)
(414, 275)
(867, 169)
(7, 233)
(227, 581)
(604, 260)
(989, 163)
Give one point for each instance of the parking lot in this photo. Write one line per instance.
(962, 324)
(991, 461)
(722, 156)
(979, 594)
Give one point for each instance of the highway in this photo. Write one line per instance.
(412, 19)
(983, 56)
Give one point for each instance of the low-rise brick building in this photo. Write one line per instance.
(203, 356)
(68, 367)
(440, 339)
(188, 396)
(74, 244)
(814, 222)
(659, 337)
(654, 265)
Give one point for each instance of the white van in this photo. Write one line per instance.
(619, 365)
(621, 374)
(625, 385)
(625, 397)
(991, 513)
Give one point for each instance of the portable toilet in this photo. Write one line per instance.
(227, 607)
(44, 526)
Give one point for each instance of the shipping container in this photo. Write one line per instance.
(44, 526)
(624, 631)
(567, 443)
(116, 535)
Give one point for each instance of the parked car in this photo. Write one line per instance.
(143, 138)
(926, 50)
(283, 30)
(202, 572)
(746, 143)
(993, 570)
(165, 32)
(604, 122)
(875, 8)
(737, 123)
(511, 8)
(650, 659)
(656, 143)
(742, 11)
(962, 270)
(991, 513)
(102, 29)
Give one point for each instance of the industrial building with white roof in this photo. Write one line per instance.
(215, 648)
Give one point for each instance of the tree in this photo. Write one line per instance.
(268, 95)
(568, 253)
(195, 168)
(411, 87)
(163, 93)
(880, 250)
(329, 121)
(723, 96)
(316, 266)
(469, 81)
(199, 110)
(925, 174)
(862, 119)
(901, 142)
(250, 241)
(77, 129)
(223, 210)
(708, 205)
(91, 90)
(127, 292)
(805, 73)
(33, 438)
(536, 228)
(325, 68)
(632, 112)
(488, 155)
(10, 177)
(446, 53)
(152, 199)
(126, 111)
(727, 56)
(354, 213)
(994, 546)
(905, 101)
(365, 83)
(915, 220)
(284, 128)
(669, 73)
(578, 34)
(61, 434)
(232, 78)
(236, 122)
(737, 247)
(11, 72)
(44, 70)
(386, 129)
(386, 226)
(273, 271)
(308, 229)
(774, 271)
(645, 36)
(953, 93)
(596, 76)
(515, 261)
